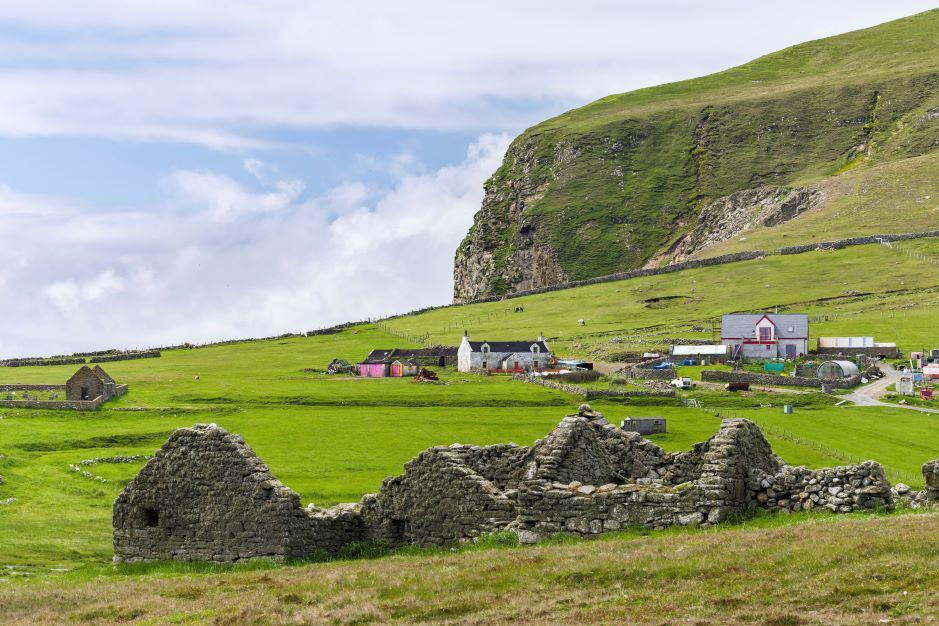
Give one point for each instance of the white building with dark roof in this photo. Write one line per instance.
(512, 356)
(766, 336)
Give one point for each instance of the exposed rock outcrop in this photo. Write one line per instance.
(734, 215)
(206, 496)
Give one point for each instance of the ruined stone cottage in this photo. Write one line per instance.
(90, 384)
(206, 496)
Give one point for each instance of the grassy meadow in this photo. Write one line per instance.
(334, 438)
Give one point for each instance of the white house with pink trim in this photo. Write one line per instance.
(766, 336)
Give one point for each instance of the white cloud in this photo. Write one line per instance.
(68, 295)
(192, 72)
(225, 199)
(218, 259)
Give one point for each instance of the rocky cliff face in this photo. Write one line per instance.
(653, 176)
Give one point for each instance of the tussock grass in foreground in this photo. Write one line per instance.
(824, 570)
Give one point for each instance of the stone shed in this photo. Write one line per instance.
(85, 384)
(207, 496)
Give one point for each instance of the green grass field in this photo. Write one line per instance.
(334, 438)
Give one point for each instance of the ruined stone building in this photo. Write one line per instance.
(206, 496)
(89, 384)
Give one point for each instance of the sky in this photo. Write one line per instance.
(178, 171)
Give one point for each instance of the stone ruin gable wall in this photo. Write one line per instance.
(438, 500)
(206, 496)
(717, 472)
(729, 457)
(574, 451)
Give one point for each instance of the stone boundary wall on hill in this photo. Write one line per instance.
(40, 362)
(595, 393)
(126, 356)
(17, 387)
(856, 241)
(720, 376)
(205, 495)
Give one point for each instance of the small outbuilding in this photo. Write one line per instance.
(643, 425)
(905, 386)
(838, 369)
(398, 368)
(711, 353)
(373, 369)
(89, 384)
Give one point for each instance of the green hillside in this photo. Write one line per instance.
(610, 185)
(334, 438)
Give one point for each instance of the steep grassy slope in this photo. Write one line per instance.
(608, 186)
(865, 570)
(864, 290)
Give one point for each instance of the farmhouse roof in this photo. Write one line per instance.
(743, 325)
(380, 354)
(508, 346)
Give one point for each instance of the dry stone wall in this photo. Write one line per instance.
(206, 496)
(722, 376)
(857, 241)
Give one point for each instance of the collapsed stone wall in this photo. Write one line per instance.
(206, 496)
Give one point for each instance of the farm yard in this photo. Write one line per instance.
(334, 437)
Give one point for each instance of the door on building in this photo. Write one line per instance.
(790, 351)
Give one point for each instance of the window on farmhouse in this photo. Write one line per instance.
(766, 334)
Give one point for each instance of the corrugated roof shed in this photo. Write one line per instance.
(701, 350)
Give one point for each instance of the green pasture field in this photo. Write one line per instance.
(334, 438)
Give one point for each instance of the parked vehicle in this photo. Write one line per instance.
(682, 382)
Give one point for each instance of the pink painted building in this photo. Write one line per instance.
(373, 369)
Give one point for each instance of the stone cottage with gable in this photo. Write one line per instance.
(766, 336)
(512, 356)
(89, 384)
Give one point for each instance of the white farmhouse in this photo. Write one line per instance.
(770, 336)
(513, 356)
